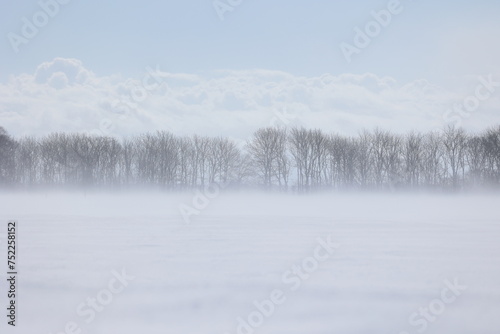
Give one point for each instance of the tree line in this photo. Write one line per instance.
(296, 159)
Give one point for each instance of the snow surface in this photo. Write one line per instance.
(396, 253)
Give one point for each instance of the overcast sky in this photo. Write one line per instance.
(231, 68)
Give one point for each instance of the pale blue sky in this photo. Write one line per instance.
(299, 37)
(220, 77)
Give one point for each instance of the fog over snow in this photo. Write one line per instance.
(405, 264)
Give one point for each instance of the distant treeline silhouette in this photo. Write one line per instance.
(295, 159)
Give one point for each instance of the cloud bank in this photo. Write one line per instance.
(63, 95)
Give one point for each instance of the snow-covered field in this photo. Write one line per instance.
(277, 264)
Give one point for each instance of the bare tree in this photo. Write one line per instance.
(186, 161)
(364, 159)
(318, 148)
(267, 149)
(28, 162)
(300, 149)
(7, 158)
(386, 156)
(224, 157)
(342, 161)
(475, 156)
(126, 163)
(492, 150)
(201, 146)
(454, 141)
(432, 162)
(413, 151)
(378, 158)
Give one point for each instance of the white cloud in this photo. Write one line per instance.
(62, 95)
(71, 68)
